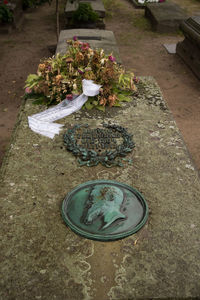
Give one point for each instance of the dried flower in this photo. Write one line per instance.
(58, 79)
(85, 46)
(79, 57)
(136, 79)
(111, 58)
(80, 71)
(28, 90)
(74, 86)
(69, 60)
(69, 97)
(112, 99)
(91, 51)
(103, 101)
(41, 67)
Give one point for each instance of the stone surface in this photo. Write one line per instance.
(171, 48)
(165, 17)
(41, 258)
(97, 6)
(97, 39)
(191, 29)
(189, 48)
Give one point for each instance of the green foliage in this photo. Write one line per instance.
(6, 15)
(85, 13)
(33, 3)
(32, 80)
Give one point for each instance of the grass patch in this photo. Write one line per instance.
(10, 43)
(110, 6)
(142, 23)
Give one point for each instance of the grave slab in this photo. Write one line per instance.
(41, 258)
(97, 39)
(97, 6)
(189, 48)
(165, 17)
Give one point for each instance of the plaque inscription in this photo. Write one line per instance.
(99, 145)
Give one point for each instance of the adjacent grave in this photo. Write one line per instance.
(189, 48)
(96, 5)
(18, 18)
(42, 258)
(137, 5)
(140, 5)
(96, 38)
(165, 17)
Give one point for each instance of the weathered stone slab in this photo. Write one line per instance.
(191, 29)
(97, 39)
(189, 48)
(190, 54)
(43, 259)
(165, 16)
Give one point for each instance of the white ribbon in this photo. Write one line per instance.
(42, 122)
(143, 1)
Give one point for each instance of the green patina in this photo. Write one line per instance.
(99, 139)
(104, 210)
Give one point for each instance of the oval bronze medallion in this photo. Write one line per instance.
(104, 210)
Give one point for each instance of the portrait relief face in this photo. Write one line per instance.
(105, 202)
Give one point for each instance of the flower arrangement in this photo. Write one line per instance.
(60, 77)
(6, 14)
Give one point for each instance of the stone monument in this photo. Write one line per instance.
(165, 17)
(97, 39)
(43, 259)
(96, 5)
(189, 48)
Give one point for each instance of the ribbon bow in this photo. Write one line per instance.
(42, 123)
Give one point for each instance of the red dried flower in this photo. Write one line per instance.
(69, 97)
